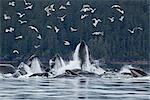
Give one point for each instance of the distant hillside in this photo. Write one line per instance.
(117, 43)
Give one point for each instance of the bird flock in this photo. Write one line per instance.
(85, 10)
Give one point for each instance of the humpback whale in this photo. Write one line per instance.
(132, 71)
(7, 69)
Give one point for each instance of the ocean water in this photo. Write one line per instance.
(79, 88)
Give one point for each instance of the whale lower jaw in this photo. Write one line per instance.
(77, 73)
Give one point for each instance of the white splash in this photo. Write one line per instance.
(35, 66)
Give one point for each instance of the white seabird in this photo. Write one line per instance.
(20, 14)
(33, 28)
(98, 33)
(85, 8)
(73, 29)
(48, 9)
(9, 30)
(83, 16)
(115, 6)
(22, 21)
(26, 3)
(68, 3)
(36, 46)
(119, 10)
(62, 7)
(6, 17)
(93, 10)
(56, 29)
(135, 28)
(96, 21)
(49, 27)
(15, 51)
(121, 18)
(66, 43)
(39, 37)
(28, 7)
(112, 19)
(62, 18)
(11, 3)
(18, 37)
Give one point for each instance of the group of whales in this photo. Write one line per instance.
(81, 65)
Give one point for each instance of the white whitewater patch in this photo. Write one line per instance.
(126, 69)
(35, 66)
(76, 63)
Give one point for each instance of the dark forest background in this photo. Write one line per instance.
(116, 44)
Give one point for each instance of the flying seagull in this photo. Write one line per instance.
(15, 51)
(85, 8)
(39, 37)
(10, 30)
(48, 9)
(36, 46)
(93, 10)
(66, 43)
(115, 6)
(83, 16)
(22, 21)
(96, 21)
(73, 29)
(33, 28)
(62, 18)
(26, 3)
(98, 33)
(6, 17)
(68, 3)
(18, 37)
(112, 19)
(119, 10)
(56, 29)
(49, 27)
(121, 18)
(135, 28)
(11, 3)
(28, 7)
(20, 14)
(62, 7)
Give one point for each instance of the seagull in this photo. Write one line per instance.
(95, 21)
(48, 9)
(29, 7)
(6, 17)
(33, 28)
(22, 21)
(121, 18)
(10, 30)
(93, 10)
(98, 33)
(135, 28)
(85, 8)
(62, 7)
(73, 29)
(68, 3)
(39, 37)
(15, 51)
(19, 37)
(36, 46)
(115, 6)
(20, 14)
(27, 3)
(49, 27)
(11, 3)
(66, 43)
(112, 19)
(83, 16)
(62, 18)
(56, 29)
(119, 10)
